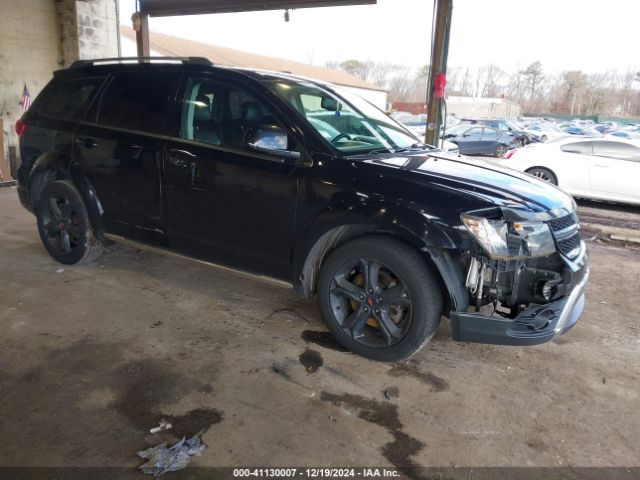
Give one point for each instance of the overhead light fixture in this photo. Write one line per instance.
(286, 15)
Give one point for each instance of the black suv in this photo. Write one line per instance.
(304, 182)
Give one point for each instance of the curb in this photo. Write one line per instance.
(627, 235)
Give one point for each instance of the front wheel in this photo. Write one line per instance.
(64, 224)
(379, 298)
(500, 151)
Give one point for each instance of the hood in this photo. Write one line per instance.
(477, 178)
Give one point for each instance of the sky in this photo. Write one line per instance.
(588, 35)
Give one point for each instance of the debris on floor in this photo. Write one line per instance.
(161, 459)
(162, 426)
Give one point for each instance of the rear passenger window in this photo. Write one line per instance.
(69, 100)
(619, 150)
(140, 101)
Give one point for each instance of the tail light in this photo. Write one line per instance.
(509, 154)
(20, 127)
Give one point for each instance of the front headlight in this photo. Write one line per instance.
(511, 240)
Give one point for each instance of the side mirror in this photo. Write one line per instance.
(328, 103)
(271, 140)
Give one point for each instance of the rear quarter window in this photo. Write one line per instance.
(584, 148)
(141, 101)
(69, 100)
(618, 150)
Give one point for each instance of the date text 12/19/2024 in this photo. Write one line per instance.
(315, 473)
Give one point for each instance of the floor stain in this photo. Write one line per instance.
(384, 414)
(324, 339)
(311, 360)
(288, 310)
(410, 369)
(146, 386)
(195, 422)
(391, 392)
(280, 370)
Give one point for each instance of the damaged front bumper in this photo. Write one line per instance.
(534, 325)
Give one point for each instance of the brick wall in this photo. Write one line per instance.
(38, 37)
(29, 53)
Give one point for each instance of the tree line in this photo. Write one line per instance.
(574, 92)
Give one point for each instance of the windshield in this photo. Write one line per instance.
(345, 120)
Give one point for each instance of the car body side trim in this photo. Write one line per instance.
(165, 251)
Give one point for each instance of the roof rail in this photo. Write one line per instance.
(107, 61)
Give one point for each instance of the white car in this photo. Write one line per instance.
(597, 168)
(546, 131)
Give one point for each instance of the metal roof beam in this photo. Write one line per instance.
(163, 8)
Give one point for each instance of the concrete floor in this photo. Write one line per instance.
(91, 357)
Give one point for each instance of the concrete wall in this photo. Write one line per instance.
(29, 53)
(474, 107)
(38, 37)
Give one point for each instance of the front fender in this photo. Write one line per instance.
(344, 221)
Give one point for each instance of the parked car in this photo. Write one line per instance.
(601, 169)
(629, 135)
(244, 168)
(519, 136)
(417, 125)
(479, 140)
(583, 131)
(546, 131)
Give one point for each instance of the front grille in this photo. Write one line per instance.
(568, 245)
(567, 239)
(561, 223)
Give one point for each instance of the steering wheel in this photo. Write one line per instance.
(340, 137)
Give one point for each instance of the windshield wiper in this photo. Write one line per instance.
(385, 150)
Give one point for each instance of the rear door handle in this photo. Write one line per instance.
(86, 142)
(601, 166)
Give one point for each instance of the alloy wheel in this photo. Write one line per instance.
(61, 225)
(371, 303)
(542, 175)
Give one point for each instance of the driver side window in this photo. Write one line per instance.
(219, 114)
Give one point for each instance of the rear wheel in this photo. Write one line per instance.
(543, 138)
(64, 224)
(543, 174)
(379, 298)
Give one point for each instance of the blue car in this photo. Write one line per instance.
(479, 140)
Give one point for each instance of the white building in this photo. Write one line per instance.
(478, 107)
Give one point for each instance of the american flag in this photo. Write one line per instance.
(26, 99)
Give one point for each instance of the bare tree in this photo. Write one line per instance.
(533, 76)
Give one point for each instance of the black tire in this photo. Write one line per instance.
(543, 174)
(64, 224)
(38, 183)
(500, 151)
(543, 138)
(405, 292)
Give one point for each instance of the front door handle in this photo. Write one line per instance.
(86, 142)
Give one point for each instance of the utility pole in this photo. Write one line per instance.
(439, 53)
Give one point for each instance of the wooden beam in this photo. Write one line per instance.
(439, 54)
(142, 36)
